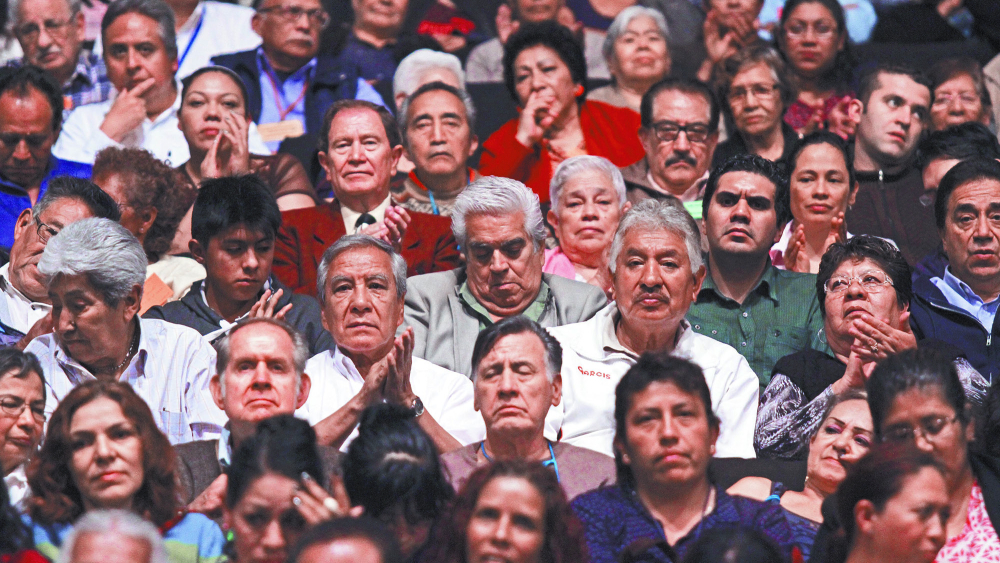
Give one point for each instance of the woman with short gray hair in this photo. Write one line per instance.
(637, 54)
(588, 200)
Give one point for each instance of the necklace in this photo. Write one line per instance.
(131, 350)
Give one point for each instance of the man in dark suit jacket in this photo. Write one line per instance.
(276, 384)
(360, 147)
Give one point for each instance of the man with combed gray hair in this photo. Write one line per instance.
(517, 380)
(424, 66)
(95, 270)
(362, 286)
(498, 224)
(124, 533)
(657, 271)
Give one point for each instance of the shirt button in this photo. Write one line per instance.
(697, 327)
(745, 314)
(715, 332)
(743, 343)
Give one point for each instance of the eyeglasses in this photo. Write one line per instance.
(822, 29)
(759, 91)
(291, 14)
(29, 32)
(45, 232)
(14, 406)
(946, 99)
(872, 280)
(929, 428)
(668, 131)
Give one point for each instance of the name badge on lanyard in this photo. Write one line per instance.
(285, 128)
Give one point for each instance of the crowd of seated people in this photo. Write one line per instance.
(469, 281)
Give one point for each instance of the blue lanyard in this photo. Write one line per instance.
(551, 462)
(194, 36)
(434, 205)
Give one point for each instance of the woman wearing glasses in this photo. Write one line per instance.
(756, 89)
(22, 418)
(864, 291)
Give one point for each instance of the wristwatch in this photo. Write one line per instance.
(417, 408)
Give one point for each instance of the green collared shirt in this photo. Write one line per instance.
(780, 316)
(533, 312)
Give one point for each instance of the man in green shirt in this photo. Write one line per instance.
(763, 312)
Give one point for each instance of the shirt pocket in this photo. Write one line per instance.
(782, 340)
(173, 425)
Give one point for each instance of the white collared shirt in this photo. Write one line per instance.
(446, 395)
(171, 372)
(81, 137)
(594, 362)
(351, 216)
(17, 488)
(16, 310)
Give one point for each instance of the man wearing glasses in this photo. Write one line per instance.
(680, 122)
(289, 87)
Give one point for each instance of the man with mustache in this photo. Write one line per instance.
(746, 302)
(680, 128)
(657, 270)
(960, 305)
(892, 111)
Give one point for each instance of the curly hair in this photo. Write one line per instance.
(148, 183)
(564, 540)
(55, 496)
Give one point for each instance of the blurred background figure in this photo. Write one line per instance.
(734, 545)
(22, 420)
(959, 94)
(113, 535)
(16, 544)
(347, 540)
(637, 54)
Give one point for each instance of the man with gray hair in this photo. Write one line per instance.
(124, 533)
(95, 270)
(424, 66)
(498, 223)
(362, 284)
(657, 270)
(516, 377)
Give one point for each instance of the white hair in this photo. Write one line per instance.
(655, 215)
(103, 251)
(120, 522)
(14, 11)
(584, 163)
(494, 195)
(300, 348)
(410, 71)
(349, 242)
(620, 24)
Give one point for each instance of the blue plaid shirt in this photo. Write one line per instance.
(88, 85)
(14, 200)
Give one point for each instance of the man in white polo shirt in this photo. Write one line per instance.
(362, 283)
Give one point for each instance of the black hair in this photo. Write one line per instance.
(840, 76)
(824, 137)
(974, 170)
(100, 204)
(393, 464)
(362, 528)
(733, 544)
(22, 364)
(654, 367)
(14, 534)
(156, 10)
(960, 142)
(988, 430)
(876, 249)
(772, 171)
(518, 324)
(871, 79)
(21, 79)
(229, 201)
(187, 81)
(547, 34)
(282, 444)
(688, 86)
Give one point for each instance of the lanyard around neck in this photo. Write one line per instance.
(551, 462)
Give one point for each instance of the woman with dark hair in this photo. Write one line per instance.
(103, 450)
(153, 204)
(665, 433)
(959, 93)
(513, 510)
(22, 419)
(822, 186)
(917, 399)
(545, 72)
(864, 291)
(892, 508)
(812, 36)
(274, 491)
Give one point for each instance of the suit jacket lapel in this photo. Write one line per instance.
(463, 325)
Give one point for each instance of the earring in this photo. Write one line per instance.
(579, 90)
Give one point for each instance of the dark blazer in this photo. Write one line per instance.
(428, 245)
(332, 81)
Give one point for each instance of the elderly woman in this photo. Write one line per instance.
(960, 93)
(637, 54)
(95, 271)
(152, 205)
(103, 451)
(821, 188)
(588, 199)
(545, 72)
(22, 418)
(756, 89)
(864, 291)
(665, 433)
(510, 510)
(812, 36)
